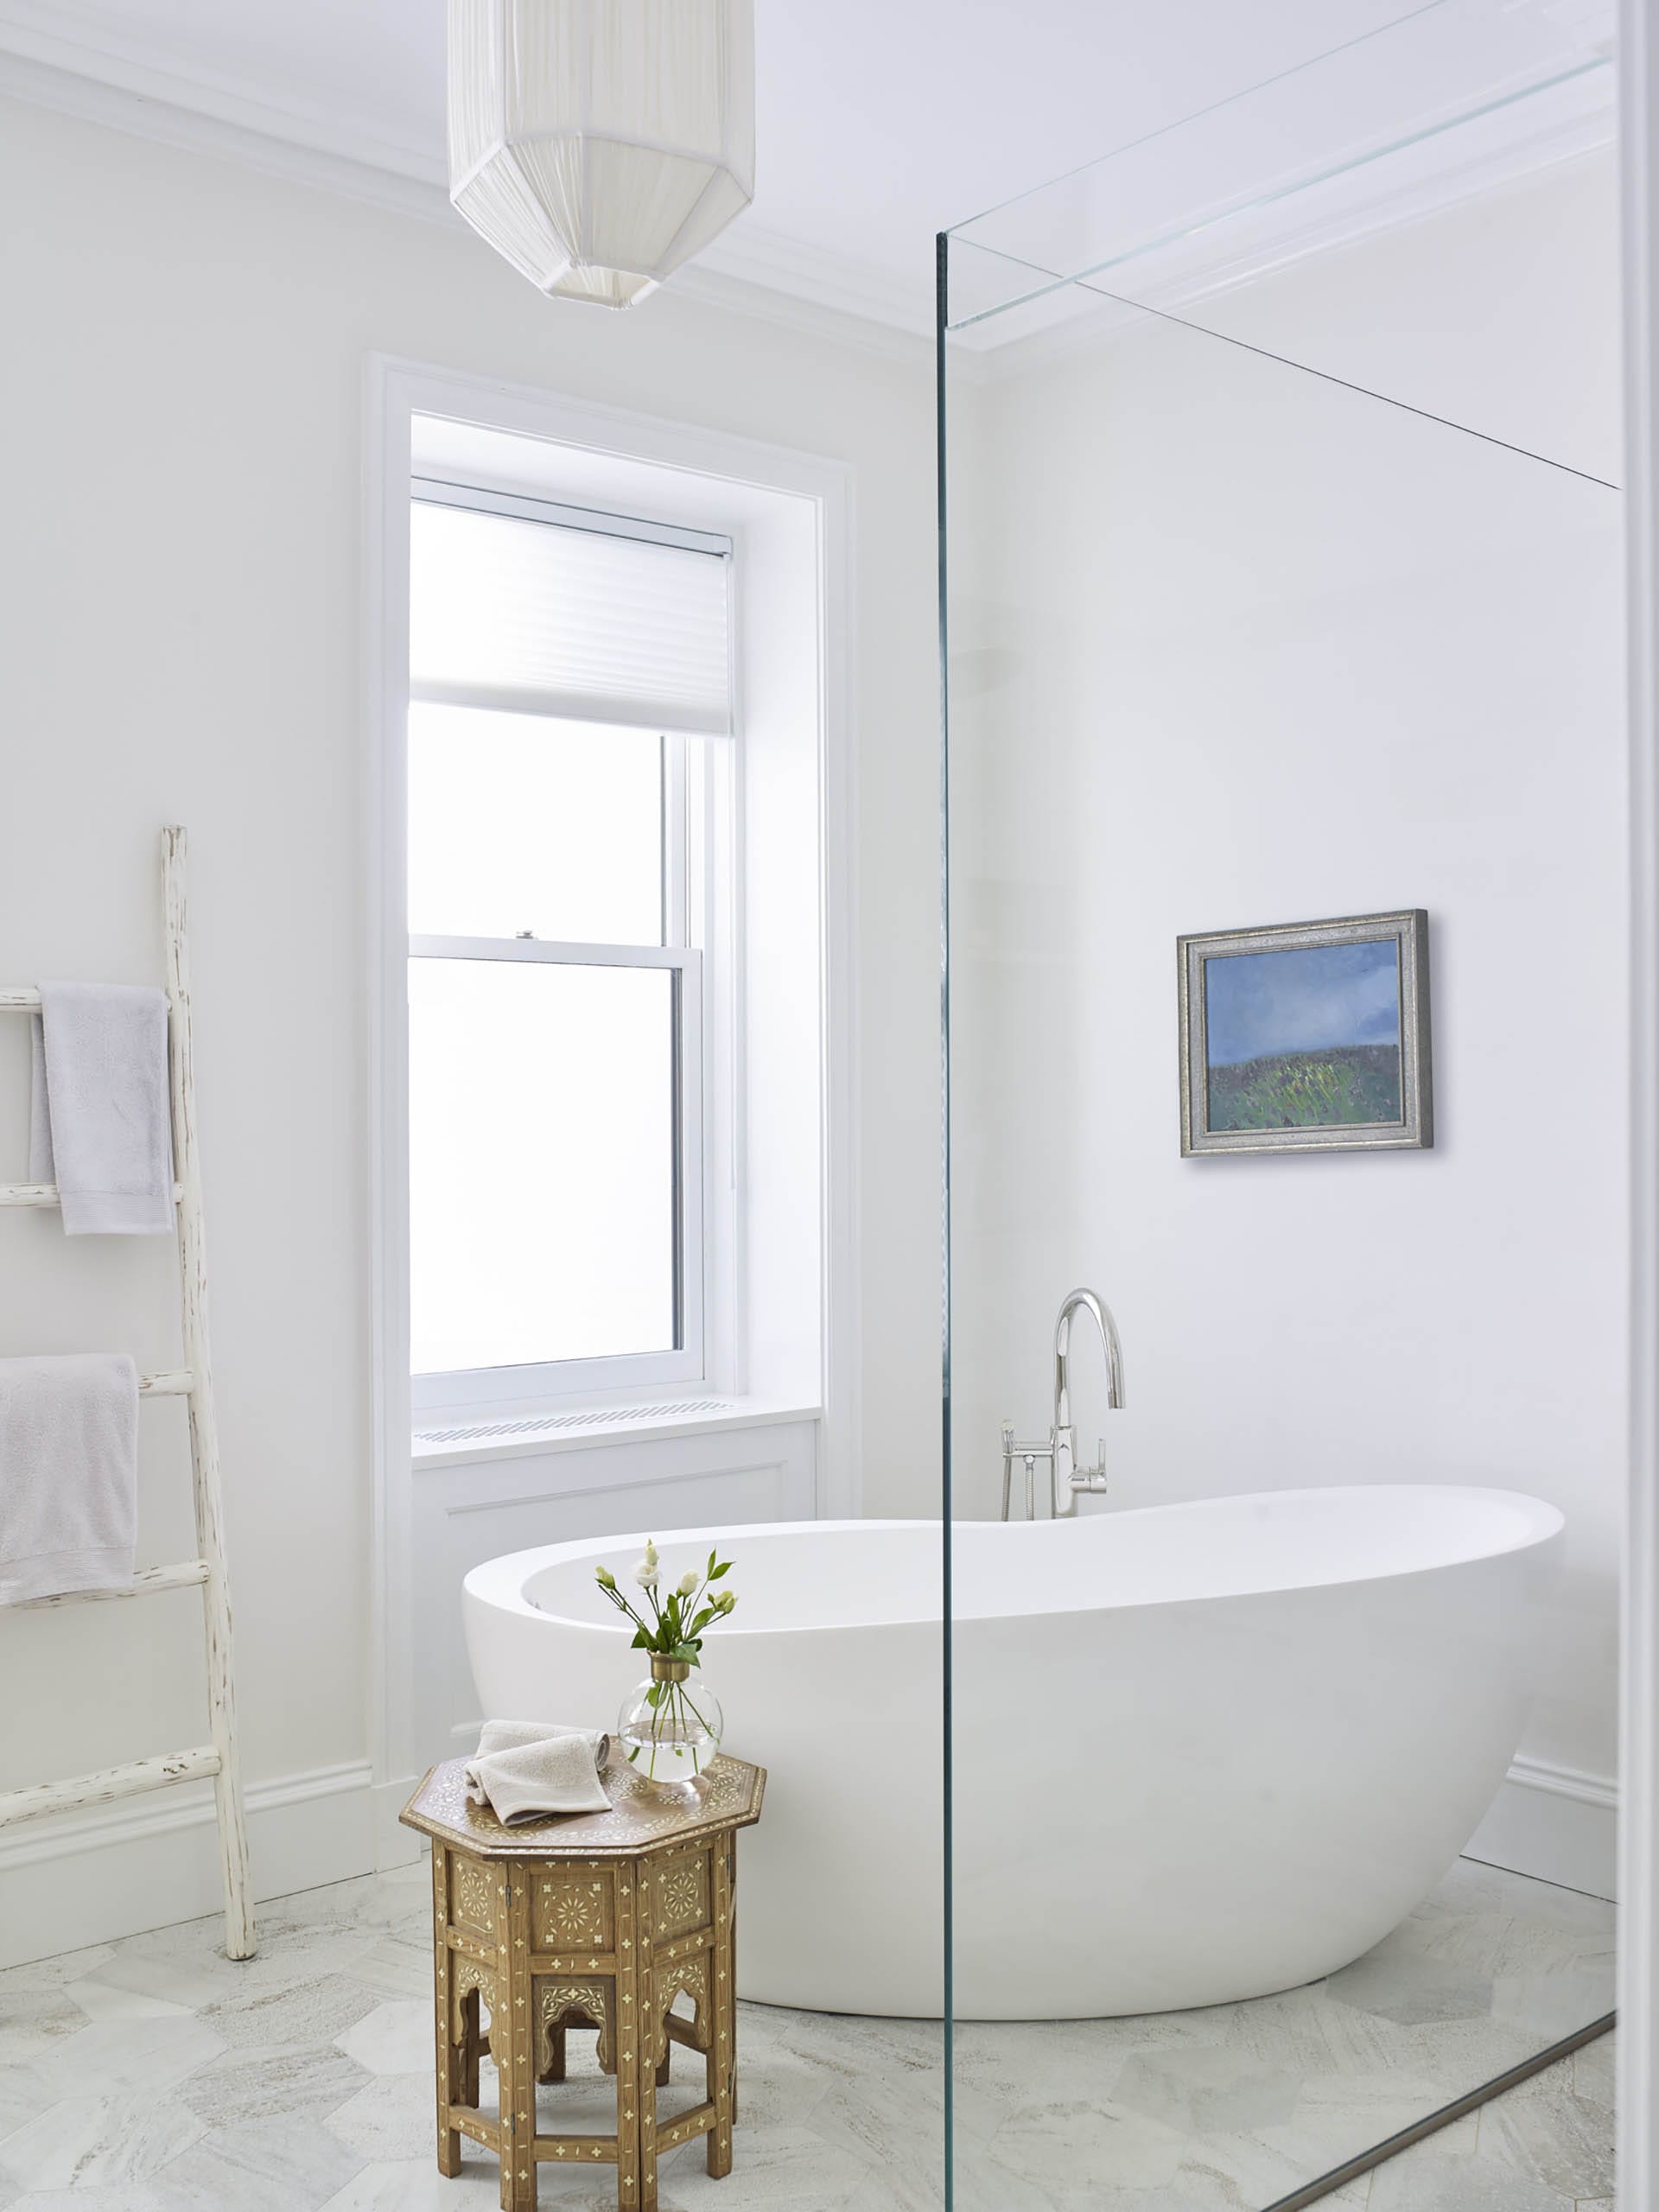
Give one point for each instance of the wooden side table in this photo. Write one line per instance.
(596, 1920)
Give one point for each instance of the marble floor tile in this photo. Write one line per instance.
(102, 2000)
(1206, 2090)
(81, 2143)
(394, 2038)
(1064, 2149)
(264, 2166)
(32, 2018)
(131, 2196)
(308, 2011)
(390, 2117)
(398, 1965)
(48, 1974)
(415, 2185)
(1592, 2069)
(302, 2080)
(22, 2093)
(1547, 2131)
(296, 2081)
(1423, 2180)
(118, 2058)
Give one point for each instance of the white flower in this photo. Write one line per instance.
(645, 1573)
(688, 1583)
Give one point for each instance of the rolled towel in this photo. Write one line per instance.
(526, 1769)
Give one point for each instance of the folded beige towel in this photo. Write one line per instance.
(524, 1768)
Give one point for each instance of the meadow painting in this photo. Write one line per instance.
(1307, 1036)
(1304, 1039)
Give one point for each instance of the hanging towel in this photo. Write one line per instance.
(99, 1124)
(68, 1474)
(523, 1769)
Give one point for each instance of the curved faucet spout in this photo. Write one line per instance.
(1068, 1478)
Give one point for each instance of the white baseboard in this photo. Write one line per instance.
(92, 1877)
(1555, 1823)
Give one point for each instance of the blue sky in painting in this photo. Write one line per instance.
(1303, 1000)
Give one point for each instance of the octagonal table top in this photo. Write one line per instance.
(640, 1817)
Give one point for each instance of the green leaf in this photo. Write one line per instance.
(685, 1651)
(654, 1695)
(641, 1641)
(715, 1572)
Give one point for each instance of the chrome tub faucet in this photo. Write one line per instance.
(1066, 1479)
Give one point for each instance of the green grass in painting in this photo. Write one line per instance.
(1307, 1090)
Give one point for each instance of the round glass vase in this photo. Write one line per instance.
(670, 1725)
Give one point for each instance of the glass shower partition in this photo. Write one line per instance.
(1279, 587)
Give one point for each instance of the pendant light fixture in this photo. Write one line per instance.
(599, 144)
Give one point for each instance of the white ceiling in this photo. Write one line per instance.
(879, 121)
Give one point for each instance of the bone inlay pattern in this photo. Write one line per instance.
(122, 2070)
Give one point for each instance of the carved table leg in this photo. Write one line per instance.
(511, 2038)
(723, 2000)
(630, 2040)
(554, 2069)
(451, 2079)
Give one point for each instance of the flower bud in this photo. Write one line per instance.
(606, 1580)
(688, 1583)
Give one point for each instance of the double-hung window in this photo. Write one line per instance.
(567, 671)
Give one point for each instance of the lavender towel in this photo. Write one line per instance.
(100, 1124)
(526, 1769)
(68, 1474)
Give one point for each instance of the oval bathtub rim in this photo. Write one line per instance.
(498, 1584)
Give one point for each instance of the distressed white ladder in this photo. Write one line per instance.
(195, 1383)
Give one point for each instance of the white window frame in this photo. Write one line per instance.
(748, 483)
(703, 1130)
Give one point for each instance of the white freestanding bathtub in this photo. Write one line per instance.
(1201, 1752)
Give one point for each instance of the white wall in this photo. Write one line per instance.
(1241, 646)
(181, 390)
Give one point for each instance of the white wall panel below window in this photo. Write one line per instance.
(469, 1512)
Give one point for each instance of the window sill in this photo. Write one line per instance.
(451, 1440)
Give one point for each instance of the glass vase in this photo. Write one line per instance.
(670, 1724)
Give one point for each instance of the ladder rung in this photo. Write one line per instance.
(113, 1782)
(183, 1576)
(46, 1194)
(174, 1383)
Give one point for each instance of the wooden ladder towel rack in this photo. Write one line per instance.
(193, 1382)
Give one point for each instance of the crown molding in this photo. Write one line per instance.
(748, 270)
(1083, 316)
(740, 280)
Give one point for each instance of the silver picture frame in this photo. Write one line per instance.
(1229, 1106)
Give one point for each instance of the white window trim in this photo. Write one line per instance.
(396, 392)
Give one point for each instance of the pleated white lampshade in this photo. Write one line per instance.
(599, 144)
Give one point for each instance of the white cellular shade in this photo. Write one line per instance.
(597, 144)
(536, 618)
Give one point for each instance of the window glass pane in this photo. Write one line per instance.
(542, 1188)
(517, 822)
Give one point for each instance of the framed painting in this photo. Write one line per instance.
(1306, 1037)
